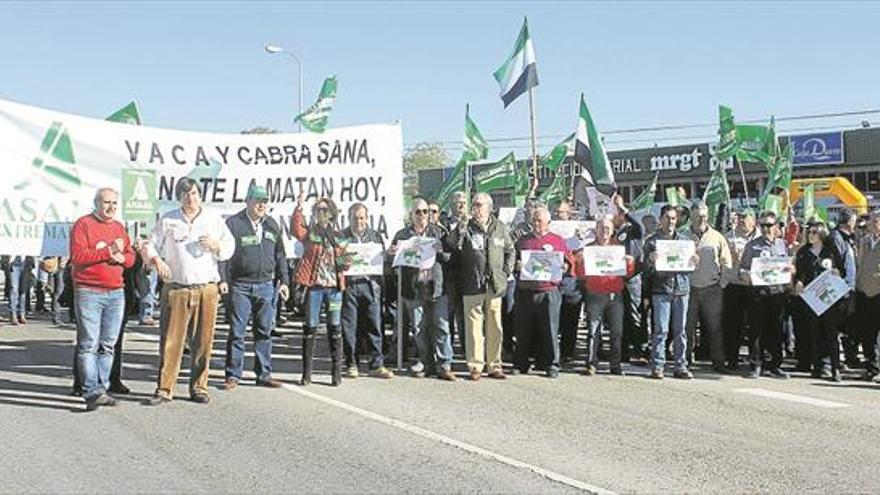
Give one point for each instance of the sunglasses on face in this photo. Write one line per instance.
(421, 211)
(767, 225)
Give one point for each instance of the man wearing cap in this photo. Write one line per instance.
(736, 293)
(249, 278)
(185, 247)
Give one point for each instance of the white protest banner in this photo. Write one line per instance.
(604, 260)
(54, 162)
(367, 258)
(824, 291)
(416, 252)
(577, 234)
(541, 266)
(675, 256)
(770, 270)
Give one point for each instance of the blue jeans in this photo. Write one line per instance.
(362, 307)
(430, 322)
(146, 285)
(17, 300)
(669, 315)
(316, 298)
(246, 300)
(98, 320)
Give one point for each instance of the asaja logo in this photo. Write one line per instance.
(140, 194)
(55, 164)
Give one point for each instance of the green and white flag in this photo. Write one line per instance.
(129, 114)
(589, 153)
(809, 209)
(553, 160)
(475, 148)
(753, 142)
(717, 191)
(674, 197)
(779, 173)
(503, 174)
(727, 142)
(646, 198)
(519, 73)
(315, 117)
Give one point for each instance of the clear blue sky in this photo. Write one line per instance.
(201, 65)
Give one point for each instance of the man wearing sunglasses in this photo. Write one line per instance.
(249, 280)
(765, 304)
(424, 302)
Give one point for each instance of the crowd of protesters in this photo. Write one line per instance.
(473, 293)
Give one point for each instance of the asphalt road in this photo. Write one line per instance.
(528, 434)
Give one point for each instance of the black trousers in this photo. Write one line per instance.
(706, 307)
(635, 321)
(537, 324)
(868, 316)
(765, 328)
(735, 304)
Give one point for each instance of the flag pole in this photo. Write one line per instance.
(534, 188)
(742, 174)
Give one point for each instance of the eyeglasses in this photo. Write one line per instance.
(767, 225)
(421, 211)
(320, 208)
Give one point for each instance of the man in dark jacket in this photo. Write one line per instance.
(485, 257)
(423, 302)
(249, 279)
(669, 292)
(362, 300)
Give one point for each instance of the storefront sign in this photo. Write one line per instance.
(824, 148)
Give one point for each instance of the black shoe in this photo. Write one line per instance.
(721, 370)
(731, 365)
(835, 376)
(119, 388)
(617, 371)
(552, 373)
(200, 398)
(683, 375)
(777, 373)
(157, 400)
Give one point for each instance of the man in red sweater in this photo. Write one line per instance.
(100, 250)
(538, 301)
(604, 300)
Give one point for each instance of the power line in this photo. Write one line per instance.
(815, 116)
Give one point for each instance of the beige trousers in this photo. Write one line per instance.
(482, 323)
(184, 309)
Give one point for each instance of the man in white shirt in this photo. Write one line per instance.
(185, 248)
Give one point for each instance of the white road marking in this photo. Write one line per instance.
(551, 475)
(143, 336)
(772, 394)
(138, 366)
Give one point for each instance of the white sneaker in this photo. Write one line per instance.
(352, 371)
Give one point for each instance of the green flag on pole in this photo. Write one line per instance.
(674, 197)
(475, 148)
(553, 160)
(315, 117)
(809, 199)
(717, 191)
(646, 198)
(726, 134)
(129, 114)
(752, 142)
(503, 174)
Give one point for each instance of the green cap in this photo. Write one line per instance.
(257, 192)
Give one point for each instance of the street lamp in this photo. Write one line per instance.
(273, 49)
